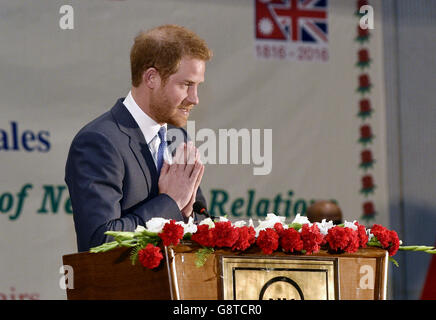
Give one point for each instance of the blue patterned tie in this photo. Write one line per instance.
(161, 150)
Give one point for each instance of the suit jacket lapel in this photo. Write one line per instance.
(137, 144)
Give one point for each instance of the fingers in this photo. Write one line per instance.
(187, 155)
(197, 156)
(190, 158)
(191, 153)
(200, 175)
(197, 182)
(197, 172)
(165, 168)
(164, 171)
(179, 183)
(180, 154)
(187, 211)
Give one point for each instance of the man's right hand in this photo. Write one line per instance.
(181, 179)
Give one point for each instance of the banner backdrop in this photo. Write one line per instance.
(299, 82)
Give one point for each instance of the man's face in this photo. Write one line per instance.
(172, 102)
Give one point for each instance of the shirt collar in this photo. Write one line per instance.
(148, 126)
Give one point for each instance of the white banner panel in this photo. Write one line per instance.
(61, 68)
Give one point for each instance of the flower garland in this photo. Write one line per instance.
(271, 234)
(365, 110)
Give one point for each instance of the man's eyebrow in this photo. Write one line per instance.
(190, 82)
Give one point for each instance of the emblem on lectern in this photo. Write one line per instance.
(282, 288)
(279, 278)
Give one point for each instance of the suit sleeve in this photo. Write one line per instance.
(94, 175)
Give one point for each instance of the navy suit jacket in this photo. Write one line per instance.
(112, 179)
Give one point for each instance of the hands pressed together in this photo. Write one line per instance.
(181, 179)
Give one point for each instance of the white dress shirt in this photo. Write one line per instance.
(148, 126)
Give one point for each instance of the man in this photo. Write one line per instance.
(119, 169)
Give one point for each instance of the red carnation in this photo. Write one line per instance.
(395, 243)
(343, 239)
(290, 240)
(150, 256)
(363, 237)
(382, 234)
(171, 233)
(225, 234)
(311, 237)
(337, 238)
(278, 227)
(268, 240)
(388, 239)
(247, 236)
(353, 240)
(204, 236)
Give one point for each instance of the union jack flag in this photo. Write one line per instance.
(292, 20)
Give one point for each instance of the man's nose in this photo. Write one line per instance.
(193, 95)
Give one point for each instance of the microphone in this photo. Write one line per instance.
(200, 208)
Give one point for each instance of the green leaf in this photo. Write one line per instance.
(122, 235)
(426, 249)
(134, 254)
(394, 261)
(187, 236)
(296, 226)
(104, 247)
(202, 255)
(128, 243)
(146, 233)
(374, 243)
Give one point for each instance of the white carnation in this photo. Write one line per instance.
(301, 220)
(324, 226)
(369, 234)
(239, 224)
(156, 224)
(139, 228)
(189, 227)
(269, 222)
(350, 225)
(209, 222)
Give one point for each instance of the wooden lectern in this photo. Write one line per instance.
(229, 275)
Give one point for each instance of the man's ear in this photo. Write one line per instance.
(151, 78)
